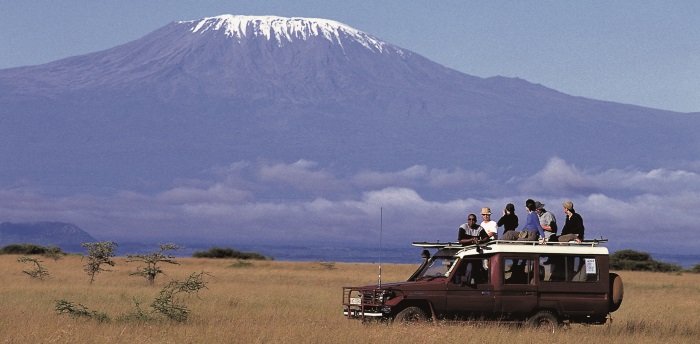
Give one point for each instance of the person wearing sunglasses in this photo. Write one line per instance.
(471, 233)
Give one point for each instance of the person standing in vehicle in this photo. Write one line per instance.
(471, 233)
(547, 220)
(489, 226)
(573, 226)
(509, 220)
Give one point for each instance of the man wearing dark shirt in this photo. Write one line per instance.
(573, 227)
(471, 233)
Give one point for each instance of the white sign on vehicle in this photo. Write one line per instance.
(355, 301)
(590, 266)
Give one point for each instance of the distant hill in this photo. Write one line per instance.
(64, 235)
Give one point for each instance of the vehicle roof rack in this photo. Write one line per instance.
(440, 245)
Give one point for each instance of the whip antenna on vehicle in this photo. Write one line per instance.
(381, 226)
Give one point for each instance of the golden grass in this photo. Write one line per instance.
(299, 302)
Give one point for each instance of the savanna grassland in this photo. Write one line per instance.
(297, 302)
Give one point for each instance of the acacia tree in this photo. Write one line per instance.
(38, 272)
(99, 253)
(151, 270)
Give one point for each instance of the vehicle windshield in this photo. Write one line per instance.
(438, 267)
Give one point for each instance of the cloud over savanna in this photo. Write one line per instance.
(285, 202)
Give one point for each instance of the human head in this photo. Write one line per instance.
(528, 202)
(539, 207)
(568, 205)
(471, 219)
(486, 213)
(530, 206)
(510, 208)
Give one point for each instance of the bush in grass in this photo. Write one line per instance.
(639, 261)
(241, 264)
(48, 251)
(78, 310)
(38, 272)
(217, 252)
(170, 301)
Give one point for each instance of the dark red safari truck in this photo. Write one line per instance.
(538, 284)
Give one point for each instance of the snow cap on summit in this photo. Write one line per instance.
(285, 29)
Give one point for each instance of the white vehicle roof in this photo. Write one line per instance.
(504, 246)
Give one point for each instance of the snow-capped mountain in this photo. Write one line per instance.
(203, 93)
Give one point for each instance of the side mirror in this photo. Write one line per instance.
(425, 254)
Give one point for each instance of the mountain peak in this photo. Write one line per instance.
(283, 30)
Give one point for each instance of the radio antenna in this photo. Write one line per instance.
(381, 227)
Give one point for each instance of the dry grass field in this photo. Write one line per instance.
(298, 302)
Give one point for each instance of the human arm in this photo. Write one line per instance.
(535, 221)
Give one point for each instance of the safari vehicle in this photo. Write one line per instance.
(527, 282)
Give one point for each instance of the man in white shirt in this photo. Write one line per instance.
(491, 227)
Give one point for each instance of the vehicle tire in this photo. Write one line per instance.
(544, 320)
(617, 292)
(411, 315)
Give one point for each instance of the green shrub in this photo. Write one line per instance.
(38, 272)
(217, 252)
(31, 249)
(639, 261)
(241, 264)
(170, 303)
(78, 310)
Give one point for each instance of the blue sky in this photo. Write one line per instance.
(637, 52)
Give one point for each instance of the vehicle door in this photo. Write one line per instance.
(469, 290)
(519, 288)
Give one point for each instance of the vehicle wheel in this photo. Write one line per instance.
(544, 320)
(411, 315)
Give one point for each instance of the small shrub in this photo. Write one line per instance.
(639, 261)
(695, 269)
(170, 303)
(217, 252)
(49, 251)
(241, 264)
(327, 265)
(53, 252)
(78, 310)
(137, 315)
(38, 272)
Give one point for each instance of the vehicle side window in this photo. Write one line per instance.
(472, 271)
(519, 271)
(559, 268)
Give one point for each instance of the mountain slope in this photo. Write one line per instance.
(197, 94)
(64, 235)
